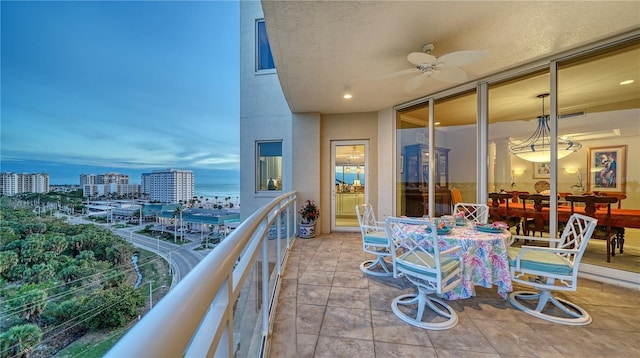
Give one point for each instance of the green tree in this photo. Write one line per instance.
(19, 340)
(119, 253)
(29, 300)
(33, 228)
(67, 310)
(113, 308)
(7, 235)
(40, 273)
(32, 249)
(70, 273)
(8, 259)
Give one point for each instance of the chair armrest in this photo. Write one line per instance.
(548, 249)
(372, 227)
(533, 238)
(380, 223)
(450, 251)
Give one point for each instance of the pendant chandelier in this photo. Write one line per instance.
(537, 148)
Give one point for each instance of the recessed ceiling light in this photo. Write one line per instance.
(347, 93)
(437, 123)
(627, 82)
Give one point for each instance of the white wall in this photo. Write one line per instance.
(305, 164)
(386, 164)
(348, 126)
(264, 114)
(462, 156)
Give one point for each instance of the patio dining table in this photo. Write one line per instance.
(484, 257)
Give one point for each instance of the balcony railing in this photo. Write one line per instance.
(225, 306)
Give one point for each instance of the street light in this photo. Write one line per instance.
(150, 296)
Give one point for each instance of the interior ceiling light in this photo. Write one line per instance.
(537, 148)
(347, 93)
(354, 154)
(627, 82)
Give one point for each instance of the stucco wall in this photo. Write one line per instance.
(264, 115)
(306, 161)
(347, 126)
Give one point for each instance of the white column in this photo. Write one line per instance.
(502, 165)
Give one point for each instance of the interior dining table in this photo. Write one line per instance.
(484, 257)
(536, 208)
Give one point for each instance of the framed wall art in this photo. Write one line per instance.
(541, 170)
(606, 168)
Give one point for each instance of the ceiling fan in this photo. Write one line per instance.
(445, 68)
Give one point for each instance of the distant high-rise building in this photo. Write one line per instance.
(16, 183)
(108, 183)
(113, 178)
(145, 184)
(88, 179)
(169, 185)
(106, 178)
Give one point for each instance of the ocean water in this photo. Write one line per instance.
(220, 190)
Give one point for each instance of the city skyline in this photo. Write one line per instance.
(129, 87)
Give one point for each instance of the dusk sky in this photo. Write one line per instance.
(93, 87)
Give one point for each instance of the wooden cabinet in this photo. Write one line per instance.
(346, 204)
(416, 167)
(416, 180)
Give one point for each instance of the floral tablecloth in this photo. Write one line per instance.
(485, 260)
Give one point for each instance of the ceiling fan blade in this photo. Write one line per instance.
(461, 58)
(418, 58)
(400, 73)
(414, 82)
(450, 74)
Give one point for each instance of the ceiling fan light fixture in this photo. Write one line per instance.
(445, 68)
(537, 148)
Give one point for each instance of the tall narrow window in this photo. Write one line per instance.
(269, 166)
(264, 59)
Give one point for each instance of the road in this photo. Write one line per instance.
(182, 258)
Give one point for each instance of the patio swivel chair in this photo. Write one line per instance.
(374, 241)
(549, 269)
(416, 256)
(478, 213)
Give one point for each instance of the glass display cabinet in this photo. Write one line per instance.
(416, 180)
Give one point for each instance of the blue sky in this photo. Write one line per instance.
(92, 87)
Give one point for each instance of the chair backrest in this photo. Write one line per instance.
(365, 215)
(620, 196)
(456, 196)
(516, 194)
(416, 253)
(575, 236)
(475, 212)
(541, 186)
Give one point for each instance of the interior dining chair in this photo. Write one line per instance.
(374, 241)
(474, 212)
(542, 185)
(416, 256)
(548, 269)
(456, 196)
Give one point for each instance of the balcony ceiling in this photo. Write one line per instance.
(321, 47)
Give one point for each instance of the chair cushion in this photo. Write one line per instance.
(540, 261)
(419, 258)
(376, 238)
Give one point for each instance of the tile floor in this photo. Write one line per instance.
(328, 308)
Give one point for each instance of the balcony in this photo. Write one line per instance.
(267, 294)
(328, 308)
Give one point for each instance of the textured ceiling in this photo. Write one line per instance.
(321, 47)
